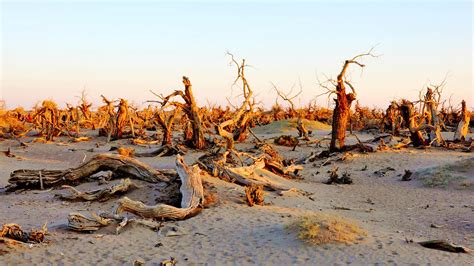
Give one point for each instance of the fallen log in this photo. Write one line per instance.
(163, 151)
(444, 246)
(100, 194)
(80, 222)
(119, 165)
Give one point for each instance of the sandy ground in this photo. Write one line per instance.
(235, 234)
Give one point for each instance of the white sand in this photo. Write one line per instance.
(233, 233)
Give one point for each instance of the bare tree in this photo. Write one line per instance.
(191, 110)
(240, 119)
(343, 101)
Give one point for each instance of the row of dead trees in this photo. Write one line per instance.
(116, 119)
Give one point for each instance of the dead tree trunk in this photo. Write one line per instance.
(191, 203)
(416, 132)
(343, 101)
(191, 110)
(463, 127)
(435, 134)
(241, 115)
(119, 165)
(391, 119)
(166, 125)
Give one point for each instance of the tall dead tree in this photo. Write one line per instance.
(431, 104)
(191, 110)
(343, 102)
(240, 119)
(463, 127)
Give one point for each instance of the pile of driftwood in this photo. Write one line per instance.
(258, 169)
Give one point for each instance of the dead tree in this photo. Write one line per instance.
(416, 132)
(240, 119)
(463, 127)
(166, 124)
(431, 105)
(302, 131)
(343, 102)
(191, 111)
(391, 119)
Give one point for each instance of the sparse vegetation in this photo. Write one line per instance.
(322, 228)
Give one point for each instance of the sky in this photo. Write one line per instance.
(54, 50)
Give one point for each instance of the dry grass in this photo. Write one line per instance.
(325, 228)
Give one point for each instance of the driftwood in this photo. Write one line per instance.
(191, 202)
(286, 140)
(163, 151)
(80, 222)
(255, 174)
(463, 127)
(254, 194)
(14, 231)
(444, 246)
(119, 165)
(100, 194)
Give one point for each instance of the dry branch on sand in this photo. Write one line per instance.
(14, 232)
(191, 203)
(192, 198)
(254, 194)
(125, 185)
(444, 246)
(119, 165)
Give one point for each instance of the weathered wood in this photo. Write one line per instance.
(80, 222)
(100, 194)
(444, 246)
(435, 133)
(163, 151)
(343, 102)
(463, 126)
(191, 203)
(14, 231)
(254, 195)
(119, 165)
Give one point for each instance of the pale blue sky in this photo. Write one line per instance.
(55, 49)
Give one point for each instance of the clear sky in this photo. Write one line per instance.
(125, 48)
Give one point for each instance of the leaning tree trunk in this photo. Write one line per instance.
(463, 127)
(198, 140)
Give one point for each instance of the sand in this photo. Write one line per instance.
(232, 233)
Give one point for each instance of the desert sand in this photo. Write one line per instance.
(390, 210)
